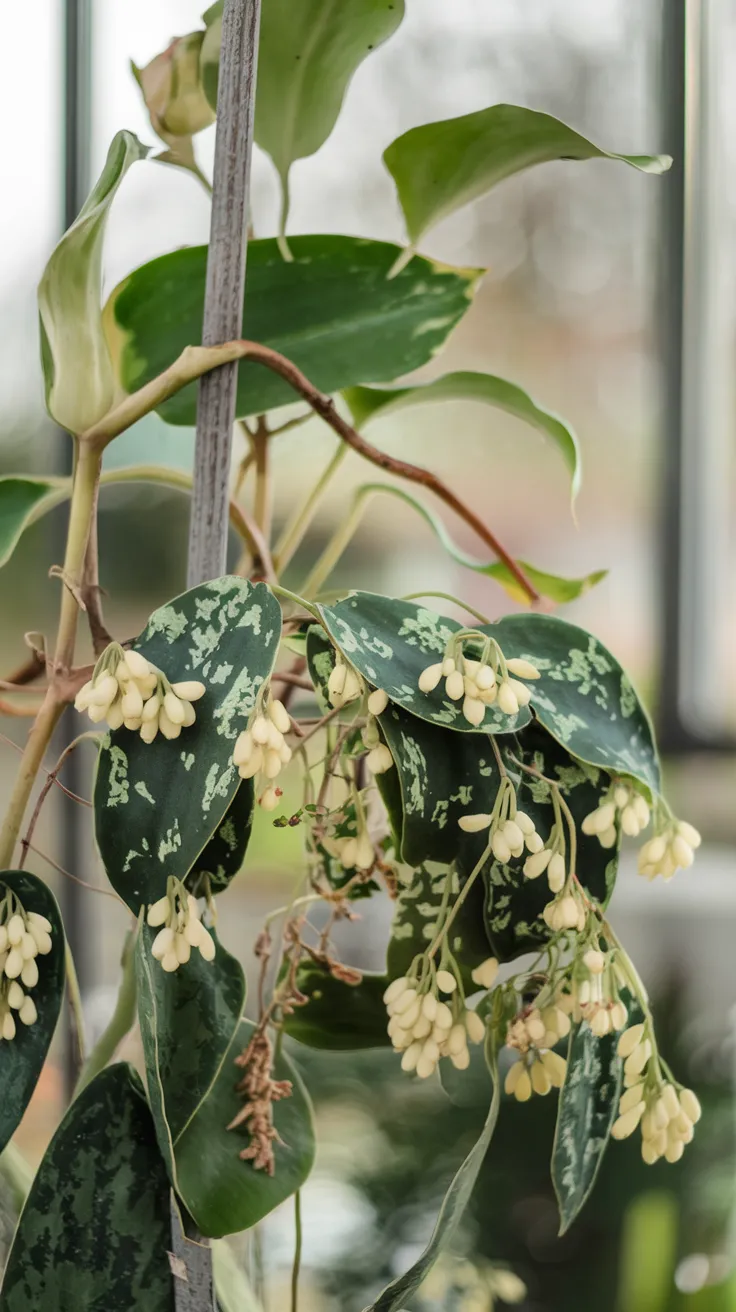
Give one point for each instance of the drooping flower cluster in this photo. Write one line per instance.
(511, 830)
(181, 928)
(533, 1033)
(379, 758)
(354, 850)
(128, 691)
(622, 806)
(594, 992)
(480, 681)
(262, 748)
(424, 1026)
(568, 910)
(665, 1110)
(24, 936)
(671, 850)
(550, 857)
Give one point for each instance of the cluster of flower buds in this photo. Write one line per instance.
(511, 830)
(478, 683)
(24, 935)
(596, 993)
(262, 748)
(379, 758)
(549, 857)
(672, 849)
(568, 910)
(533, 1033)
(354, 849)
(666, 1112)
(177, 918)
(127, 691)
(621, 807)
(344, 684)
(425, 1027)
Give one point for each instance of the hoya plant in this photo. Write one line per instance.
(480, 774)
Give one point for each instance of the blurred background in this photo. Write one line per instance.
(610, 297)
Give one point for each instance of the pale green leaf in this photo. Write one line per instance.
(23, 500)
(442, 166)
(365, 403)
(553, 586)
(78, 370)
(308, 54)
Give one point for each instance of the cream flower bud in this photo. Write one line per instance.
(630, 1039)
(522, 669)
(430, 677)
(429, 1006)
(513, 835)
(83, 697)
(29, 974)
(168, 728)
(474, 711)
(537, 863)
(104, 691)
(132, 702)
(13, 964)
(541, 1083)
(595, 961)
(260, 730)
(115, 717)
(485, 678)
(379, 759)
(174, 708)
(500, 848)
(523, 1086)
(349, 852)
(535, 1027)
(682, 852)
(279, 714)
(455, 686)
(28, 947)
(556, 872)
(689, 833)
(425, 1067)
(16, 995)
(365, 855)
(8, 1029)
(395, 989)
(600, 1023)
(378, 701)
(269, 799)
(473, 824)
(163, 943)
(534, 842)
(16, 930)
(619, 1015)
(637, 1060)
(608, 837)
(443, 1016)
(630, 1098)
(447, 666)
(411, 1057)
(446, 982)
(41, 935)
(456, 1040)
(626, 1124)
(149, 730)
(485, 974)
(243, 749)
(404, 1000)
(170, 962)
(190, 690)
(475, 1027)
(206, 945)
(690, 1105)
(507, 699)
(461, 1059)
(520, 691)
(271, 763)
(630, 821)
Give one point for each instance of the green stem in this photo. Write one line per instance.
(459, 901)
(121, 1021)
(293, 533)
(75, 1002)
(297, 1251)
(299, 601)
(35, 750)
(447, 596)
(340, 539)
(81, 512)
(281, 241)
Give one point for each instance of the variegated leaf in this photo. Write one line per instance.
(390, 642)
(587, 1109)
(514, 903)
(22, 1058)
(219, 862)
(158, 805)
(96, 1227)
(416, 920)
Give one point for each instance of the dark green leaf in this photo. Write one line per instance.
(23, 500)
(22, 1058)
(339, 1016)
(416, 918)
(188, 1019)
(390, 642)
(587, 1109)
(394, 1296)
(223, 857)
(308, 54)
(368, 402)
(95, 1231)
(333, 311)
(514, 903)
(223, 1193)
(158, 804)
(78, 371)
(441, 166)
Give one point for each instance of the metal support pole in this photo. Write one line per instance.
(77, 118)
(694, 304)
(223, 317)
